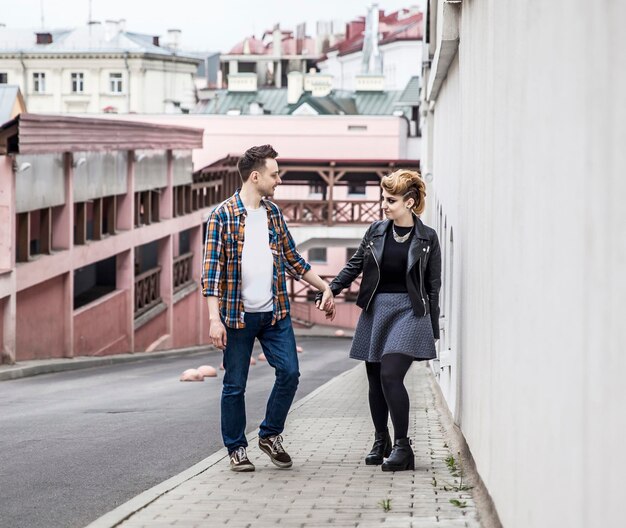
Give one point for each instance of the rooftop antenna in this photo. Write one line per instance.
(42, 18)
(89, 19)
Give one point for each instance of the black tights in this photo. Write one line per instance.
(387, 394)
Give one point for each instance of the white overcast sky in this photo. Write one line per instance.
(207, 25)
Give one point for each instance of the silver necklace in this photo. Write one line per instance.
(397, 237)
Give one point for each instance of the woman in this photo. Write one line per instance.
(399, 294)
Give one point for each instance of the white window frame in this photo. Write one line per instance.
(77, 82)
(116, 83)
(39, 82)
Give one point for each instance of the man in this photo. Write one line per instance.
(247, 251)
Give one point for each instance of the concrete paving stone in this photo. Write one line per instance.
(326, 487)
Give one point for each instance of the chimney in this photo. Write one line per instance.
(121, 25)
(369, 82)
(173, 39)
(295, 81)
(110, 29)
(44, 38)
(242, 82)
(319, 84)
(278, 41)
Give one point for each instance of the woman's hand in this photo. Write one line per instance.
(327, 303)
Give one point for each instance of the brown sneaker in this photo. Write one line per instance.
(239, 460)
(273, 447)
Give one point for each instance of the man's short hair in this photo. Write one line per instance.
(253, 159)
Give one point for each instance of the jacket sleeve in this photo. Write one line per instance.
(350, 271)
(432, 280)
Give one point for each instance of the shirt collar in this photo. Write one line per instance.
(238, 207)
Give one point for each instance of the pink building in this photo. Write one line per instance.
(100, 231)
(101, 220)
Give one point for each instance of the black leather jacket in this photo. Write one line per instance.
(423, 275)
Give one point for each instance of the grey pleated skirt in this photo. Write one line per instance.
(390, 326)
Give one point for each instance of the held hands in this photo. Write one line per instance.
(217, 334)
(327, 303)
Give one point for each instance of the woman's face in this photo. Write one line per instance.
(395, 207)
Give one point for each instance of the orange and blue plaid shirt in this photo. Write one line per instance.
(221, 267)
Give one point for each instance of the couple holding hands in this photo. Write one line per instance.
(248, 249)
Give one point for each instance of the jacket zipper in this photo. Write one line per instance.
(419, 263)
(375, 260)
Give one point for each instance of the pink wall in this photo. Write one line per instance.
(100, 327)
(346, 317)
(205, 318)
(148, 333)
(3, 303)
(186, 321)
(40, 321)
(307, 137)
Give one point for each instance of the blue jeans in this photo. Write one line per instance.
(279, 346)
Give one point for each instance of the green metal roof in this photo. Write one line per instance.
(274, 102)
(411, 93)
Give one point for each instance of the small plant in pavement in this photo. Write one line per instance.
(385, 504)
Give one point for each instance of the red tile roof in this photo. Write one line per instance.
(392, 27)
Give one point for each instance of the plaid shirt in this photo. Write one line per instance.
(221, 268)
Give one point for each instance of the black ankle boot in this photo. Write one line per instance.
(380, 449)
(401, 457)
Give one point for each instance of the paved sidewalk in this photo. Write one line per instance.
(328, 434)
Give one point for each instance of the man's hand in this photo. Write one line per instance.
(217, 334)
(327, 301)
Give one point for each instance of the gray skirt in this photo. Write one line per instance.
(390, 326)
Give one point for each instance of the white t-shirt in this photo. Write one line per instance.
(257, 264)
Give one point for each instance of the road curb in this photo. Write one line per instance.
(60, 365)
(13, 372)
(128, 509)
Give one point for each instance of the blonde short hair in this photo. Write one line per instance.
(408, 184)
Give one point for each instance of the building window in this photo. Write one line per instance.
(39, 82)
(350, 253)
(317, 255)
(147, 207)
(354, 188)
(94, 281)
(316, 188)
(78, 82)
(115, 82)
(4, 78)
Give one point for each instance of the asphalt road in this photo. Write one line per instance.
(74, 445)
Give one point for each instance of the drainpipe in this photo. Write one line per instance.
(128, 77)
(24, 79)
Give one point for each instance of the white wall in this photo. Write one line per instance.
(152, 82)
(401, 61)
(528, 137)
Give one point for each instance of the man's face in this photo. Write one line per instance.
(268, 178)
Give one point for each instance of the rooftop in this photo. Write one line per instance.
(273, 101)
(110, 37)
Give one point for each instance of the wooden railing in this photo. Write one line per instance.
(182, 271)
(323, 212)
(300, 291)
(147, 290)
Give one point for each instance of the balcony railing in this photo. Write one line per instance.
(324, 212)
(182, 271)
(300, 291)
(147, 290)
